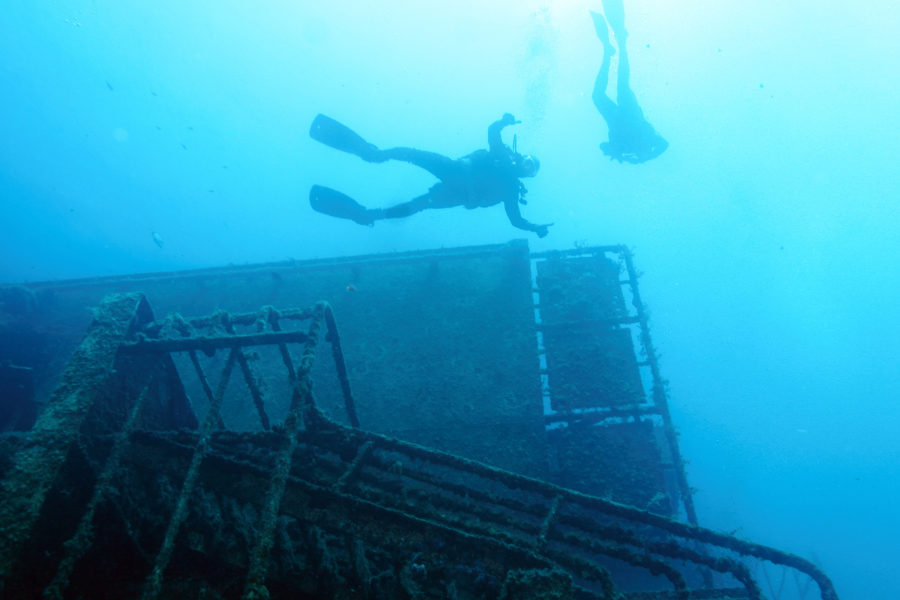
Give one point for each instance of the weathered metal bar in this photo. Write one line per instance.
(448, 511)
(636, 559)
(437, 506)
(596, 416)
(382, 489)
(301, 398)
(454, 512)
(204, 383)
(335, 339)
(660, 398)
(587, 251)
(272, 316)
(297, 266)
(361, 456)
(255, 392)
(154, 583)
(594, 324)
(249, 377)
(718, 563)
(79, 543)
(296, 314)
(146, 346)
(325, 426)
(548, 522)
(37, 464)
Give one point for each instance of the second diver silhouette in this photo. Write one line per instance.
(631, 138)
(480, 179)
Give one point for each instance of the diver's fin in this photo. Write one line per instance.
(615, 14)
(333, 203)
(340, 137)
(602, 30)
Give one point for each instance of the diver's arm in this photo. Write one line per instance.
(515, 217)
(495, 142)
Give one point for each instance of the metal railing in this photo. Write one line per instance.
(374, 479)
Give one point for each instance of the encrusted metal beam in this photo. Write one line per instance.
(211, 343)
(88, 375)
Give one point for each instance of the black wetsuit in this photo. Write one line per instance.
(480, 179)
(631, 138)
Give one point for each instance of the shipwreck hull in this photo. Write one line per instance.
(222, 457)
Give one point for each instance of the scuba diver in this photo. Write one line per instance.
(631, 138)
(480, 179)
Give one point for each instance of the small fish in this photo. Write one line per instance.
(109, 86)
(183, 146)
(276, 276)
(159, 128)
(157, 239)
(154, 93)
(351, 288)
(191, 128)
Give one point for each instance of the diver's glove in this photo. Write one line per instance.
(508, 119)
(542, 230)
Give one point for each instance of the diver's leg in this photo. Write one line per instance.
(439, 196)
(438, 165)
(615, 14)
(603, 103)
(623, 76)
(406, 209)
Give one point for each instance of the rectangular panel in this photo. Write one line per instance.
(591, 366)
(619, 462)
(580, 289)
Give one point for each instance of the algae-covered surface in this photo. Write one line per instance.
(439, 346)
(620, 462)
(441, 350)
(592, 366)
(580, 289)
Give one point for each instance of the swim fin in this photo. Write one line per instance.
(602, 30)
(333, 203)
(615, 14)
(340, 137)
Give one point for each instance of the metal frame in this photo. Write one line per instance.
(659, 395)
(301, 396)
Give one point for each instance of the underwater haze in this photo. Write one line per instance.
(768, 230)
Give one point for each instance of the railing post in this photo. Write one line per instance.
(300, 399)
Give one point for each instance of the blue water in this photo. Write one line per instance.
(768, 230)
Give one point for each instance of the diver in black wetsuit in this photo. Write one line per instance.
(480, 179)
(631, 138)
